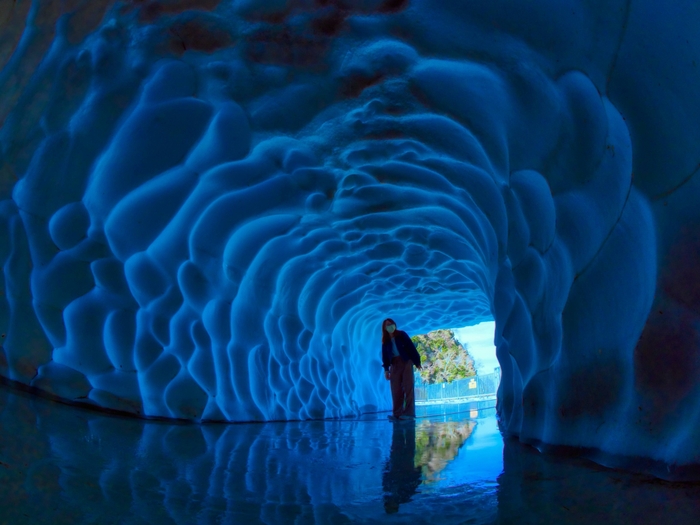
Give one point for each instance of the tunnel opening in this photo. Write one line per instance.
(444, 359)
(268, 214)
(459, 365)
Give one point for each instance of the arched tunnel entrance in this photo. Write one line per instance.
(208, 207)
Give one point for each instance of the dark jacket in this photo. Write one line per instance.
(404, 345)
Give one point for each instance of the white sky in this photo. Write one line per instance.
(479, 340)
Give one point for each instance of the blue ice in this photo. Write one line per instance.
(208, 207)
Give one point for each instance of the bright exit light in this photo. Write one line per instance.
(478, 340)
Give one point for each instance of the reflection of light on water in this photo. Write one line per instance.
(438, 443)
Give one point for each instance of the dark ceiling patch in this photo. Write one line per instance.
(198, 35)
(153, 9)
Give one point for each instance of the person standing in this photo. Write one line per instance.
(399, 354)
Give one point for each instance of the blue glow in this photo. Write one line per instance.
(208, 207)
(60, 464)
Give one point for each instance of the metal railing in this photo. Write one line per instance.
(481, 386)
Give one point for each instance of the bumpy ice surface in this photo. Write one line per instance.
(208, 206)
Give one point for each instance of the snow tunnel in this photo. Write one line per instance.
(208, 207)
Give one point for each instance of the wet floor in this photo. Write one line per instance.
(60, 464)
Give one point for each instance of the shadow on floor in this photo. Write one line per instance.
(61, 464)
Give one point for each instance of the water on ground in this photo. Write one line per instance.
(65, 465)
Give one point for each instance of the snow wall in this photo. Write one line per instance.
(208, 206)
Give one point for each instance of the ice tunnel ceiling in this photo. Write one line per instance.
(208, 206)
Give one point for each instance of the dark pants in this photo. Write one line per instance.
(404, 404)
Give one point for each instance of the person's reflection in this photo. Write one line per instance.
(401, 477)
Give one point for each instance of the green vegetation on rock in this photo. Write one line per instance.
(439, 443)
(444, 358)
